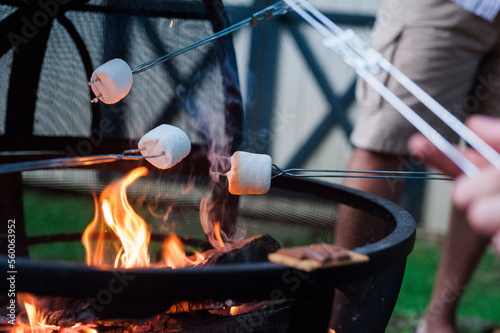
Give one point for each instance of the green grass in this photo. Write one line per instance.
(481, 299)
(59, 214)
(47, 213)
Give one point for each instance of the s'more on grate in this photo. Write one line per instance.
(316, 256)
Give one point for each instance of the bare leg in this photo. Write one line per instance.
(366, 160)
(355, 228)
(462, 251)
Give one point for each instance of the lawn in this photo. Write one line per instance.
(481, 302)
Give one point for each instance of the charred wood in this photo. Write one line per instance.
(253, 249)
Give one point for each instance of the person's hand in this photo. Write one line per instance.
(479, 196)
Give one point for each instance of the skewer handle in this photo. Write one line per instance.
(67, 162)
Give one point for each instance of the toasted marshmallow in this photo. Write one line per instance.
(111, 81)
(168, 141)
(250, 173)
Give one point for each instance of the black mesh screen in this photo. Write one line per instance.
(44, 75)
(58, 204)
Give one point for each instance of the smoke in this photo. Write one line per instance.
(211, 125)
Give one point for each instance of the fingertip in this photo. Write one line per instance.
(478, 121)
(484, 215)
(417, 145)
(459, 193)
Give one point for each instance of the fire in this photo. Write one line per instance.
(38, 321)
(114, 213)
(217, 234)
(116, 219)
(247, 308)
(174, 255)
(79, 328)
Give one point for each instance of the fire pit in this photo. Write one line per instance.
(45, 113)
(294, 212)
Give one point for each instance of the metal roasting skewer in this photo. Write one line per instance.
(266, 14)
(365, 60)
(329, 173)
(326, 173)
(73, 161)
(294, 172)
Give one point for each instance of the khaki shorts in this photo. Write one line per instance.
(450, 53)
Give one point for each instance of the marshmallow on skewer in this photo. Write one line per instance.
(168, 141)
(111, 81)
(250, 173)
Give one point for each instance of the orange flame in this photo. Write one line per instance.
(174, 255)
(113, 212)
(37, 321)
(217, 234)
(33, 316)
(235, 310)
(116, 220)
(36, 313)
(247, 308)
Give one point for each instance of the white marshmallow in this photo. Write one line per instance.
(111, 81)
(167, 139)
(250, 173)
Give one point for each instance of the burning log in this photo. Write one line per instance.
(273, 318)
(54, 310)
(253, 249)
(65, 312)
(268, 316)
(189, 306)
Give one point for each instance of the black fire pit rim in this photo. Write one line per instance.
(396, 246)
(38, 276)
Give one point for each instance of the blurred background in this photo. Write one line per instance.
(300, 107)
(300, 96)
